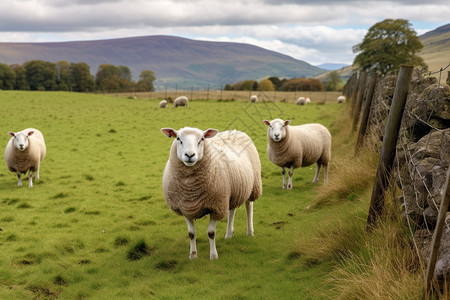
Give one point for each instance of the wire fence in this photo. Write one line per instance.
(422, 158)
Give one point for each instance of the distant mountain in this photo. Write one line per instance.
(436, 50)
(332, 66)
(177, 62)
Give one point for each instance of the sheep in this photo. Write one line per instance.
(298, 146)
(163, 104)
(341, 99)
(307, 100)
(24, 152)
(301, 101)
(254, 98)
(211, 173)
(181, 101)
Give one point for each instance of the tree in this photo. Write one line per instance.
(21, 78)
(41, 75)
(302, 84)
(63, 76)
(7, 77)
(82, 79)
(334, 81)
(146, 79)
(387, 45)
(265, 85)
(277, 82)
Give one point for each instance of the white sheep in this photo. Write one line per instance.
(254, 98)
(307, 100)
(341, 99)
(163, 104)
(181, 101)
(298, 146)
(24, 152)
(211, 173)
(301, 101)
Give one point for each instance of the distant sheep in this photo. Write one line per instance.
(24, 152)
(298, 146)
(307, 100)
(181, 101)
(341, 99)
(301, 101)
(163, 104)
(254, 98)
(211, 173)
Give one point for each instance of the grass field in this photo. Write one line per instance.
(96, 225)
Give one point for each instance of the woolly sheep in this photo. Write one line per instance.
(298, 146)
(307, 100)
(211, 173)
(24, 152)
(181, 101)
(341, 99)
(163, 104)
(301, 101)
(254, 98)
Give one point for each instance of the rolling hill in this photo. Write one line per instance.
(177, 62)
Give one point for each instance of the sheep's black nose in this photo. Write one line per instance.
(277, 135)
(190, 156)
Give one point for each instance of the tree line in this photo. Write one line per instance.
(38, 75)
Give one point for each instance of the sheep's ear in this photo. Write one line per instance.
(11, 133)
(169, 132)
(209, 133)
(30, 133)
(266, 122)
(287, 122)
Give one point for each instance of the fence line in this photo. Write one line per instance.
(421, 158)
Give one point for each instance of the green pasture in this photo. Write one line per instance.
(96, 225)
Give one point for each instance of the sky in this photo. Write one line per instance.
(318, 31)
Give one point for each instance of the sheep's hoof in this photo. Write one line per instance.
(193, 255)
(213, 256)
(250, 233)
(228, 236)
(289, 187)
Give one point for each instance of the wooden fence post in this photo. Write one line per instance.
(436, 242)
(359, 98)
(389, 144)
(366, 112)
(354, 92)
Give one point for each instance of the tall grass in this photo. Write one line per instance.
(381, 264)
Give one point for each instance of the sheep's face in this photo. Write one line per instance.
(190, 143)
(277, 129)
(20, 140)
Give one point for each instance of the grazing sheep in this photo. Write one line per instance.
(254, 98)
(163, 104)
(181, 101)
(301, 101)
(24, 152)
(211, 173)
(298, 146)
(341, 99)
(307, 100)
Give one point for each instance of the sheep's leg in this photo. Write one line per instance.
(291, 172)
(230, 223)
(316, 177)
(212, 239)
(30, 178)
(283, 172)
(249, 209)
(19, 177)
(325, 172)
(192, 238)
(36, 176)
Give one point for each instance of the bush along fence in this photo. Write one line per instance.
(407, 116)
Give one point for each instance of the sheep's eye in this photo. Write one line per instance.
(201, 140)
(181, 142)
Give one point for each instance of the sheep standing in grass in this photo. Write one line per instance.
(254, 98)
(24, 152)
(163, 104)
(307, 100)
(211, 173)
(301, 101)
(298, 146)
(341, 99)
(181, 101)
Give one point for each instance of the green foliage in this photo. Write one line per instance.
(302, 84)
(7, 77)
(265, 85)
(41, 75)
(388, 45)
(334, 81)
(146, 79)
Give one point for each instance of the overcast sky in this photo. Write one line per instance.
(319, 31)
